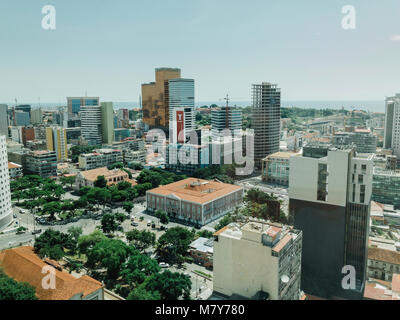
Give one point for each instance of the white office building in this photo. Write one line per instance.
(92, 124)
(392, 125)
(6, 215)
(257, 261)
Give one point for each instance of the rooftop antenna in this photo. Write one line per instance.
(227, 111)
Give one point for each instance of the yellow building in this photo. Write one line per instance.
(155, 98)
(56, 138)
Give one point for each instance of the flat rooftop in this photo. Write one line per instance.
(196, 190)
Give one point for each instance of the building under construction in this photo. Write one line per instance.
(266, 114)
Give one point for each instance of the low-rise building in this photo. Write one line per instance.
(195, 201)
(383, 290)
(100, 158)
(275, 168)
(383, 263)
(42, 163)
(386, 187)
(15, 171)
(258, 260)
(363, 139)
(201, 250)
(23, 265)
(88, 178)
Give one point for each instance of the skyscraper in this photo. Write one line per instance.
(91, 124)
(266, 114)
(75, 103)
(4, 120)
(181, 108)
(155, 98)
(107, 121)
(392, 125)
(6, 215)
(225, 118)
(56, 139)
(36, 116)
(330, 194)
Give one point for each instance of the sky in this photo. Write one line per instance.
(109, 48)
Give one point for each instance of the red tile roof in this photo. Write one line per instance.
(23, 265)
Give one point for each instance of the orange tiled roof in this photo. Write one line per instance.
(92, 175)
(281, 244)
(396, 283)
(23, 265)
(196, 190)
(384, 255)
(221, 231)
(12, 165)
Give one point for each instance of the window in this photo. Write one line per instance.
(360, 178)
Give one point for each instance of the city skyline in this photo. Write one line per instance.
(285, 43)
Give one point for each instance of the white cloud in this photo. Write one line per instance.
(395, 37)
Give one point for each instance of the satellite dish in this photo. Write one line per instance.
(285, 279)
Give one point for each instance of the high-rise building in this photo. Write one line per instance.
(36, 116)
(42, 163)
(155, 98)
(266, 114)
(56, 139)
(22, 118)
(225, 118)
(182, 115)
(107, 122)
(392, 125)
(75, 103)
(4, 120)
(258, 260)
(363, 139)
(6, 214)
(330, 195)
(91, 121)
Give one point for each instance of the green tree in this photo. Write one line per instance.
(100, 182)
(52, 208)
(109, 254)
(171, 286)
(11, 290)
(141, 239)
(174, 244)
(128, 206)
(87, 242)
(51, 244)
(140, 293)
(138, 268)
(109, 223)
(70, 180)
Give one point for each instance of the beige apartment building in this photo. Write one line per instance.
(258, 260)
(195, 201)
(155, 98)
(383, 263)
(88, 178)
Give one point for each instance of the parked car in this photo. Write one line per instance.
(135, 224)
(42, 221)
(21, 211)
(37, 232)
(153, 225)
(149, 223)
(164, 265)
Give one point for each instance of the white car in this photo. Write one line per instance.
(164, 265)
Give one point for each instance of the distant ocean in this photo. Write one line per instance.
(372, 106)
